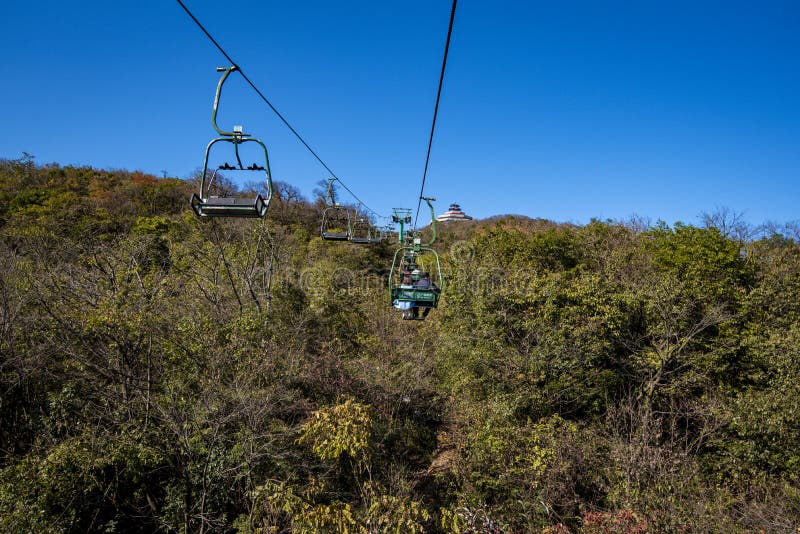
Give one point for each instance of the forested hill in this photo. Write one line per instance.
(162, 373)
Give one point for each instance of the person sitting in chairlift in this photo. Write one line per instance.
(406, 282)
(424, 281)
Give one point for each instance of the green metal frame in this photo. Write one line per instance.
(422, 298)
(206, 205)
(361, 231)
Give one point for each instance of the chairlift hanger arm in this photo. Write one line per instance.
(237, 131)
(331, 193)
(428, 200)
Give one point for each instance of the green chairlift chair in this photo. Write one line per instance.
(361, 231)
(336, 223)
(410, 265)
(205, 203)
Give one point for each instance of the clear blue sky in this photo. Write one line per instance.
(562, 110)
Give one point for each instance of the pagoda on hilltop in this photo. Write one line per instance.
(454, 214)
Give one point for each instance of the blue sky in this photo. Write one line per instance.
(563, 110)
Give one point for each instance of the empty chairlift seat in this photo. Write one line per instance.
(335, 223)
(206, 203)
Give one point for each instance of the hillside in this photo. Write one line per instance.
(165, 373)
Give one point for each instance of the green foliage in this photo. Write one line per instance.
(163, 373)
(527, 473)
(341, 429)
(396, 515)
(710, 264)
(384, 513)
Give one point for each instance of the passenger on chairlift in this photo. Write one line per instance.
(406, 282)
(424, 281)
(422, 291)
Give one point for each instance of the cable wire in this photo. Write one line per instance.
(435, 109)
(273, 108)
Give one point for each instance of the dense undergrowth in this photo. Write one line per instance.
(164, 373)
